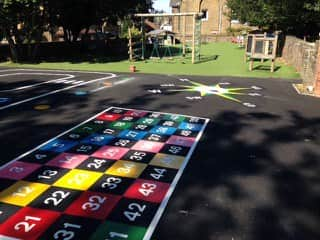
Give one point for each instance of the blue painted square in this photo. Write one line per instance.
(163, 130)
(132, 134)
(190, 126)
(58, 145)
(98, 139)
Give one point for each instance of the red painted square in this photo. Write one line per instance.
(148, 146)
(93, 205)
(110, 152)
(18, 170)
(109, 116)
(28, 223)
(68, 160)
(181, 141)
(147, 190)
(135, 113)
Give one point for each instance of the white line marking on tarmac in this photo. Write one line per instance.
(111, 75)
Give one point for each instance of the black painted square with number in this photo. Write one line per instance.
(175, 150)
(168, 123)
(128, 119)
(74, 136)
(117, 110)
(6, 211)
(109, 132)
(71, 227)
(185, 133)
(135, 212)
(120, 142)
(138, 156)
(141, 127)
(156, 137)
(96, 164)
(39, 157)
(55, 198)
(112, 184)
(84, 149)
(159, 174)
(195, 120)
(154, 115)
(88, 128)
(5, 183)
(100, 123)
(47, 174)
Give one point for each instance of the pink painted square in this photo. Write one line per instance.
(110, 152)
(18, 170)
(148, 146)
(68, 160)
(132, 113)
(181, 141)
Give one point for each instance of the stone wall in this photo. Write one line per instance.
(303, 56)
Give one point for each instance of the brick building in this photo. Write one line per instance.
(214, 20)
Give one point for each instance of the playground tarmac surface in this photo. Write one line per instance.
(253, 175)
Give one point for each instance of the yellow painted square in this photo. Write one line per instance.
(167, 160)
(126, 169)
(78, 179)
(22, 193)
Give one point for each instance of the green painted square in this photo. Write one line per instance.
(120, 125)
(148, 121)
(88, 128)
(175, 118)
(118, 231)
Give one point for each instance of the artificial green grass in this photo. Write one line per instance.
(217, 59)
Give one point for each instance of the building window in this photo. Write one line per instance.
(205, 15)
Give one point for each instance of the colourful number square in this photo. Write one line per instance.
(126, 169)
(112, 184)
(148, 121)
(28, 223)
(78, 179)
(84, 148)
(58, 145)
(98, 139)
(141, 127)
(109, 132)
(190, 126)
(148, 146)
(40, 157)
(96, 164)
(74, 136)
(196, 120)
(134, 212)
(22, 193)
(93, 205)
(156, 137)
(121, 142)
(118, 231)
(173, 117)
(154, 115)
(99, 122)
(181, 141)
(46, 174)
(120, 125)
(67, 160)
(138, 156)
(163, 130)
(56, 199)
(132, 134)
(175, 150)
(135, 113)
(186, 133)
(109, 116)
(151, 191)
(168, 123)
(117, 110)
(169, 161)
(110, 152)
(129, 119)
(6, 211)
(159, 174)
(18, 170)
(88, 128)
(5, 183)
(71, 227)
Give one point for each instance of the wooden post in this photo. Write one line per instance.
(194, 39)
(142, 39)
(130, 45)
(184, 36)
(317, 77)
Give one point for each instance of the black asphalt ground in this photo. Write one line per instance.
(255, 175)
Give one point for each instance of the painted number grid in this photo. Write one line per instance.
(108, 178)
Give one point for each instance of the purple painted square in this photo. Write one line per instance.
(18, 170)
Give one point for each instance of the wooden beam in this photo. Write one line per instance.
(194, 39)
(167, 14)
